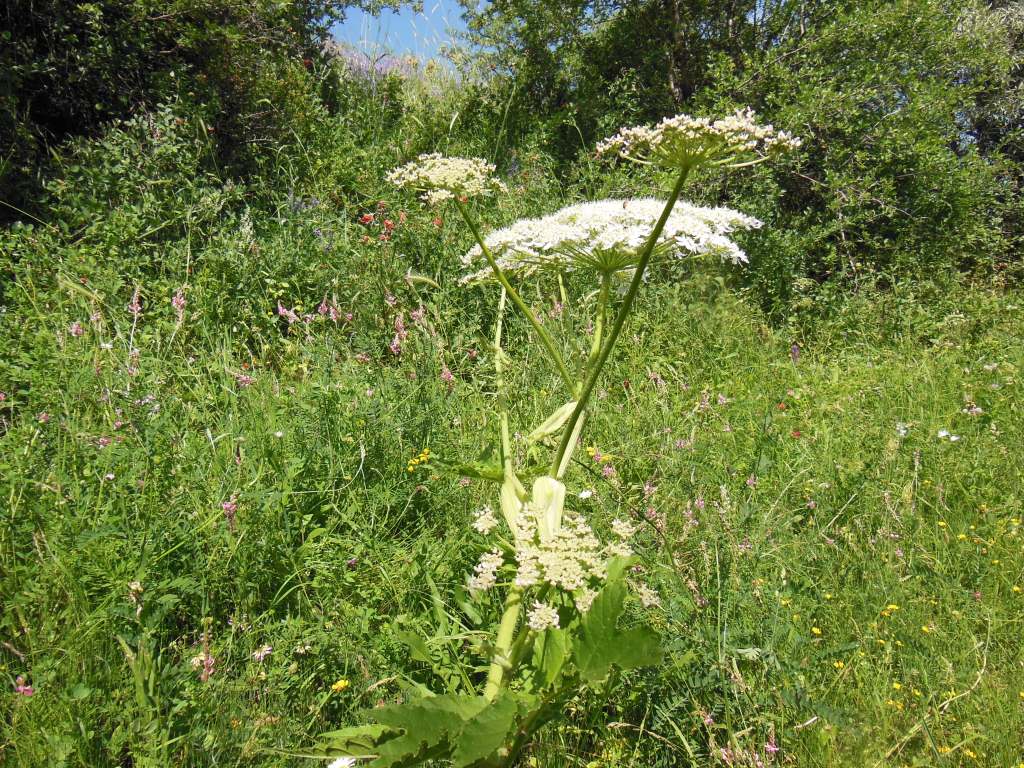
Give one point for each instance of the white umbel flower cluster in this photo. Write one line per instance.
(485, 575)
(485, 521)
(442, 178)
(571, 559)
(607, 235)
(542, 617)
(553, 549)
(683, 141)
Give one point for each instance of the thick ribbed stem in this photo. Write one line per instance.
(620, 319)
(503, 642)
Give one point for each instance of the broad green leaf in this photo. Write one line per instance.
(485, 733)
(549, 655)
(602, 644)
(357, 741)
(416, 644)
(427, 725)
(552, 424)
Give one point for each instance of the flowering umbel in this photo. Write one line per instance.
(442, 178)
(607, 236)
(683, 141)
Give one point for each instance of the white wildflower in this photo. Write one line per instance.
(542, 617)
(683, 141)
(485, 574)
(902, 429)
(528, 571)
(619, 549)
(441, 178)
(623, 528)
(585, 599)
(485, 521)
(607, 236)
(343, 762)
(648, 597)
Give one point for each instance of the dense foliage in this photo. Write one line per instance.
(219, 537)
(68, 68)
(912, 109)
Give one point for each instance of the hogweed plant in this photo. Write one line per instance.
(563, 589)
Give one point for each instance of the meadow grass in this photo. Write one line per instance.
(212, 538)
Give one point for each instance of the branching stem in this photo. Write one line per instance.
(593, 372)
(545, 337)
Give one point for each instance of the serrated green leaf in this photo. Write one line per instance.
(485, 733)
(427, 726)
(602, 645)
(549, 655)
(357, 741)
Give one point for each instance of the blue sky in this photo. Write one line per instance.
(405, 32)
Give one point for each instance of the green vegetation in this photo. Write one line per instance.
(216, 545)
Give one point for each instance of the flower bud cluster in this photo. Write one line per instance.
(485, 575)
(555, 550)
(607, 235)
(542, 617)
(683, 141)
(485, 521)
(442, 178)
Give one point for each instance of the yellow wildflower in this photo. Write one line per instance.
(340, 685)
(816, 631)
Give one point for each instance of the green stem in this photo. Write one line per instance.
(510, 616)
(502, 643)
(620, 320)
(545, 337)
(499, 382)
(599, 318)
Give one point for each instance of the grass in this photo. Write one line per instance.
(838, 580)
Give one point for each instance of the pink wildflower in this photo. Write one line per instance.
(262, 652)
(178, 302)
(43, 417)
(287, 314)
(447, 377)
(135, 306)
(230, 507)
(75, 329)
(21, 688)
